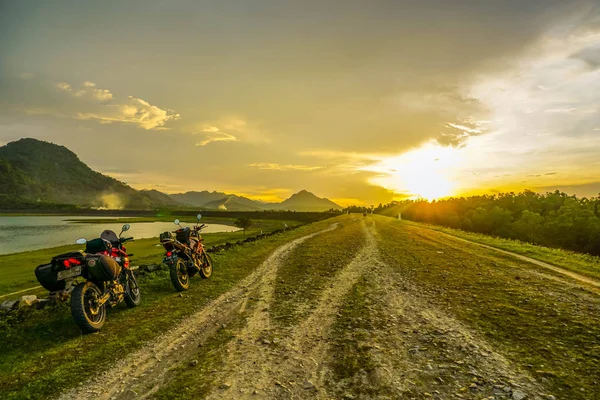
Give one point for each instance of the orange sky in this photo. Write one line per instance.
(360, 102)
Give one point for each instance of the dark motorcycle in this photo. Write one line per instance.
(107, 279)
(185, 254)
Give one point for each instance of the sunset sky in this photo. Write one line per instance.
(357, 101)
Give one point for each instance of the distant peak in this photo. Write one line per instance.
(304, 193)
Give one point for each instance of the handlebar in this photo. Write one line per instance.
(129, 239)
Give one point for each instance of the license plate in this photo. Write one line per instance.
(69, 273)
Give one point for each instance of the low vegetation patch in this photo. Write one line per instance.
(581, 263)
(311, 266)
(351, 340)
(194, 380)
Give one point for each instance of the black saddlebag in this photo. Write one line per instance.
(47, 275)
(97, 246)
(103, 268)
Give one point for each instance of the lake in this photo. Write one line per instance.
(25, 233)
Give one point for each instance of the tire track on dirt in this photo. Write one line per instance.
(422, 352)
(296, 366)
(573, 275)
(142, 373)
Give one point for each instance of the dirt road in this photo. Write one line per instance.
(369, 313)
(142, 373)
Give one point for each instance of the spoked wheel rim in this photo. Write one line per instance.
(133, 286)
(206, 268)
(207, 265)
(93, 311)
(182, 274)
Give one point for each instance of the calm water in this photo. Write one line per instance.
(35, 232)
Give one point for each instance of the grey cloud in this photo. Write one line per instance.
(590, 55)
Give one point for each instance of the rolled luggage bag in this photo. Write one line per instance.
(103, 268)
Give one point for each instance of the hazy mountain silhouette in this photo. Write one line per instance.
(304, 201)
(301, 201)
(34, 172)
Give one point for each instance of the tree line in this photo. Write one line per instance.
(551, 219)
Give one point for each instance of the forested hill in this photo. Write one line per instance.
(41, 175)
(34, 173)
(552, 219)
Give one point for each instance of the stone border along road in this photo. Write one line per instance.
(142, 373)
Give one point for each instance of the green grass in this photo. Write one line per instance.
(196, 382)
(43, 351)
(311, 266)
(352, 363)
(545, 326)
(17, 269)
(581, 263)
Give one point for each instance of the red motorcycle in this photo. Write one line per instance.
(185, 254)
(107, 279)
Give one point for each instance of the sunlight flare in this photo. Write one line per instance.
(423, 172)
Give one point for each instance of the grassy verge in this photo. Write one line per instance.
(543, 325)
(584, 264)
(43, 352)
(311, 266)
(210, 358)
(352, 364)
(17, 269)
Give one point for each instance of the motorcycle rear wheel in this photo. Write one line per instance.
(179, 275)
(87, 314)
(206, 267)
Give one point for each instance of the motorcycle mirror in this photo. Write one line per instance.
(176, 222)
(199, 216)
(81, 241)
(124, 228)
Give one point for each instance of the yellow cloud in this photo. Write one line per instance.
(214, 134)
(137, 111)
(64, 86)
(87, 89)
(284, 167)
(228, 129)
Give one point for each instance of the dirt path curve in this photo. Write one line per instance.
(142, 373)
(296, 365)
(566, 272)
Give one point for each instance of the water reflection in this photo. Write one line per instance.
(25, 233)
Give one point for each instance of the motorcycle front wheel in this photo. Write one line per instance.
(206, 268)
(88, 315)
(179, 275)
(133, 296)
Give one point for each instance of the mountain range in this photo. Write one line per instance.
(34, 173)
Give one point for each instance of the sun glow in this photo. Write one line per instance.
(421, 173)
